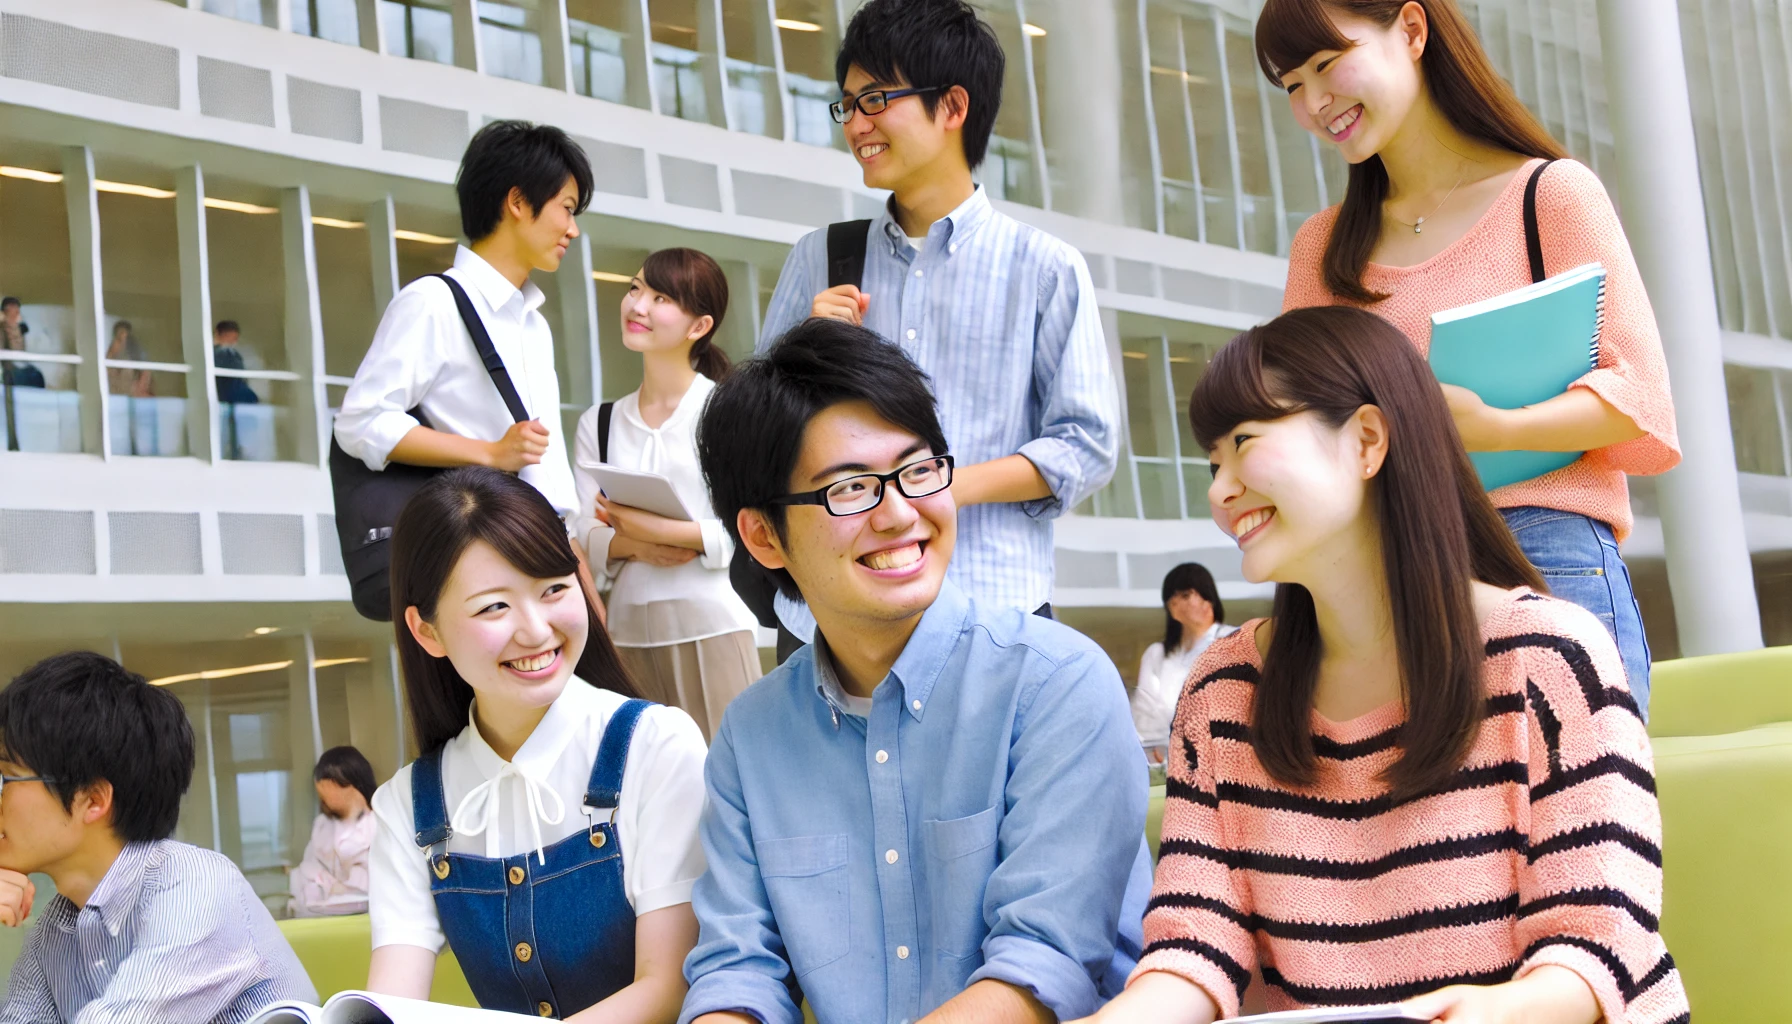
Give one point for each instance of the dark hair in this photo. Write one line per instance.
(1180, 580)
(225, 326)
(346, 766)
(121, 325)
(80, 718)
(694, 281)
(1436, 540)
(441, 520)
(930, 44)
(535, 158)
(751, 433)
(1462, 81)
(11, 300)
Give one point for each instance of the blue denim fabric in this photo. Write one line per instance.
(563, 938)
(1579, 560)
(986, 820)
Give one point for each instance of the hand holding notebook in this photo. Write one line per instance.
(1521, 348)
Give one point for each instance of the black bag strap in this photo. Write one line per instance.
(847, 241)
(1533, 239)
(603, 430)
(488, 354)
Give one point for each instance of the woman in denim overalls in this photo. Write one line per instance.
(548, 833)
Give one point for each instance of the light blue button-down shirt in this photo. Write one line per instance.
(1002, 316)
(986, 820)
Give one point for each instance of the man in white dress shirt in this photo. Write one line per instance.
(520, 187)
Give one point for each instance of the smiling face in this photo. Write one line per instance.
(903, 147)
(652, 322)
(545, 235)
(876, 567)
(1358, 99)
(1292, 490)
(513, 638)
(36, 831)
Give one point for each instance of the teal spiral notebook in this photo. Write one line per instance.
(1521, 348)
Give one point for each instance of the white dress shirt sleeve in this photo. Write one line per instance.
(661, 805)
(400, 907)
(395, 374)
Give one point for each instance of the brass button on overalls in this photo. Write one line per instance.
(523, 952)
(544, 1008)
(516, 878)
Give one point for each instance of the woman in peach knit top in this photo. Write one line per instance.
(1441, 152)
(1421, 781)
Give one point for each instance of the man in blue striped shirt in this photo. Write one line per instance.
(93, 762)
(1001, 315)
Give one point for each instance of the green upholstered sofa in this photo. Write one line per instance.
(335, 952)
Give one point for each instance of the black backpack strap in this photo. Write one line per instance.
(494, 364)
(1533, 239)
(603, 430)
(847, 241)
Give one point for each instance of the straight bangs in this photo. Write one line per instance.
(1290, 32)
(1235, 390)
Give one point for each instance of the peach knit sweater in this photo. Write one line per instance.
(1578, 225)
(1544, 849)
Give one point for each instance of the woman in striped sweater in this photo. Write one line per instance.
(1421, 779)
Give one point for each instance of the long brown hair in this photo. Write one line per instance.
(1456, 72)
(438, 524)
(694, 281)
(1436, 539)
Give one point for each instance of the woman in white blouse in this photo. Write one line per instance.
(548, 831)
(1192, 614)
(332, 876)
(683, 633)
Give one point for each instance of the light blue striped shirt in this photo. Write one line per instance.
(173, 933)
(1002, 316)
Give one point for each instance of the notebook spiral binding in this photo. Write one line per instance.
(1598, 325)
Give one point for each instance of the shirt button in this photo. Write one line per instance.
(523, 952)
(916, 705)
(918, 273)
(882, 756)
(911, 334)
(889, 856)
(516, 876)
(902, 952)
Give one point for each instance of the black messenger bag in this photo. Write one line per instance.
(368, 501)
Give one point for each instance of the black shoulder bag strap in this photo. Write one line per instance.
(603, 430)
(488, 354)
(847, 241)
(1533, 238)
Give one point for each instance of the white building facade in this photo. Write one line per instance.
(288, 164)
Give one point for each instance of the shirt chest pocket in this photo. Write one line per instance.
(961, 855)
(805, 880)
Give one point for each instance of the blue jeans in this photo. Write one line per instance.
(1579, 559)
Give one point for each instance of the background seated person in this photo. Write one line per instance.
(94, 761)
(936, 811)
(332, 877)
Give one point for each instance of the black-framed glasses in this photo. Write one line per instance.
(864, 492)
(873, 102)
(4, 779)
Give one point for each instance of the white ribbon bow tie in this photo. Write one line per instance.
(479, 810)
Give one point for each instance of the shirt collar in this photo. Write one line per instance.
(536, 757)
(117, 894)
(922, 660)
(494, 287)
(688, 407)
(959, 224)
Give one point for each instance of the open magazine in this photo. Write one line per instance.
(1387, 1013)
(369, 1008)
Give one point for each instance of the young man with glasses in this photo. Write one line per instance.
(1000, 314)
(93, 762)
(936, 811)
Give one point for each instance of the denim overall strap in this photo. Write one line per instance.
(429, 807)
(604, 791)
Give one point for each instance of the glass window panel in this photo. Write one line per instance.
(254, 420)
(510, 38)
(1208, 99)
(335, 20)
(621, 367)
(416, 257)
(752, 69)
(420, 29)
(1159, 489)
(679, 65)
(1008, 170)
(1253, 148)
(345, 295)
(42, 412)
(1168, 95)
(1147, 405)
(246, 255)
(140, 274)
(809, 36)
(1755, 421)
(1294, 149)
(147, 412)
(598, 31)
(256, 12)
(1196, 478)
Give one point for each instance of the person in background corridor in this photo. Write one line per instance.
(1193, 620)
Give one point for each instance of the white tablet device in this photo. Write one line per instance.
(647, 491)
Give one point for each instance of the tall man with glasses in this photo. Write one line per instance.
(935, 811)
(1000, 314)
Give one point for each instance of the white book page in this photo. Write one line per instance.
(289, 1013)
(370, 1008)
(1329, 1015)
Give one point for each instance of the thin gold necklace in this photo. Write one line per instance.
(1418, 226)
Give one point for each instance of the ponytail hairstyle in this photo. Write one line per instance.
(438, 524)
(694, 281)
(1436, 539)
(1456, 72)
